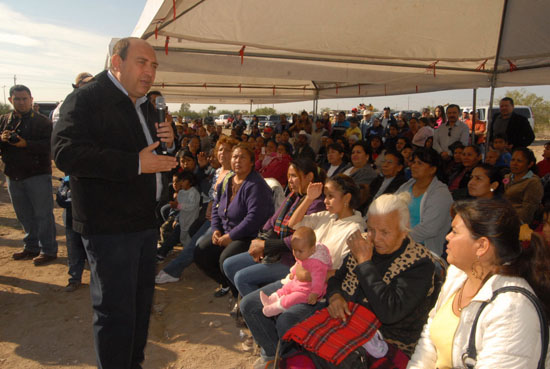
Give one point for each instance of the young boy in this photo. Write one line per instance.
(188, 205)
(500, 143)
(353, 129)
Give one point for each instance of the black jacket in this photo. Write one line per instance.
(518, 132)
(97, 142)
(34, 159)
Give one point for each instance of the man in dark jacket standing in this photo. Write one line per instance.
(105, 140)
(25, 149)
(514, 127)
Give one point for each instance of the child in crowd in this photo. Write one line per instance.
(391, 140)
(500, 143)
(424, 131)
(353, 129)
(449, 167)
(492, 156)
(188, 204)
(543, 166)
(311, 256)
(169, 211)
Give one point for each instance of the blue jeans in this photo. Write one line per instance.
(248, 276)
(185, 257)
(267, 331)
(122, 270)
(32, 201)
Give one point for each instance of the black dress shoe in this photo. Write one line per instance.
(24, 255)
(43, 259)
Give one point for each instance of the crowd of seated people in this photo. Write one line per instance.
(396, 179)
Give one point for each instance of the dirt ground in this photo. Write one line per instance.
(43, 326)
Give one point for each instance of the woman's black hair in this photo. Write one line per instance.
(347, 185)
(529, 155)
(443, 115)
(429, 156)
(306, 166)
(381, 147)
(497, 220)
(494, 174)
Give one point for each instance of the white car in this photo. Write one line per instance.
(483, 113)
(222, 120)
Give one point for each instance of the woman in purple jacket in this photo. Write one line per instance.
(242, 206)
(269, 257)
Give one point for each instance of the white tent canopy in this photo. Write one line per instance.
(307, 49)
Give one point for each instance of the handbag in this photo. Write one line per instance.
(469, 358)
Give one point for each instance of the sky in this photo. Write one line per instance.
(46, 43)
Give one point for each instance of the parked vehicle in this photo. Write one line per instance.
(272, 120)
(222, 120)
(46, 108)
(483, 112)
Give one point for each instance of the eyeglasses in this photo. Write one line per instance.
(449, 130)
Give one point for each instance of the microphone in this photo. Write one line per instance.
(161, 110)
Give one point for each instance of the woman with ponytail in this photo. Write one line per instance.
(485, 255)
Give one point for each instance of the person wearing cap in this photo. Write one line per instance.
(387, 118)
(81, 80)
(268, 133)
(302, 150)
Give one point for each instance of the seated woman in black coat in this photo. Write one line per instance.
(391, 178)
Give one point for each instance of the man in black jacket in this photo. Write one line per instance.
(25, 149)
(105, 140)
(514, 127)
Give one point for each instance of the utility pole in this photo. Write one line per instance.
(14, 79)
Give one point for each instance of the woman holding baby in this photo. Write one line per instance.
(385, 272)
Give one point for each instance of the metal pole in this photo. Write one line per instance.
(250, 107)
(494, 76)
(4, 87)
(474, 110)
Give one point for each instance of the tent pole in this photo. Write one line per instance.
(474, 110)
(494, 76)
(250, 106)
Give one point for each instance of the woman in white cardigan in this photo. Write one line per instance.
(484, 255)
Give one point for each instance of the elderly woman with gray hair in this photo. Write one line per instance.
(389, 274)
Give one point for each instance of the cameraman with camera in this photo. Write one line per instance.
(25, 149)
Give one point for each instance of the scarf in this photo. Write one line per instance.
(281, 224)
(333, 339)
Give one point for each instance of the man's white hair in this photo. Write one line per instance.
(388, 203)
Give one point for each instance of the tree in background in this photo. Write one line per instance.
(264, 111)
(211, 109)
(5, 108)
(539, 106)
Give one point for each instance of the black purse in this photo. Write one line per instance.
(469, 358)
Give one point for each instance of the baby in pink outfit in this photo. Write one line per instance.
(313, 257)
